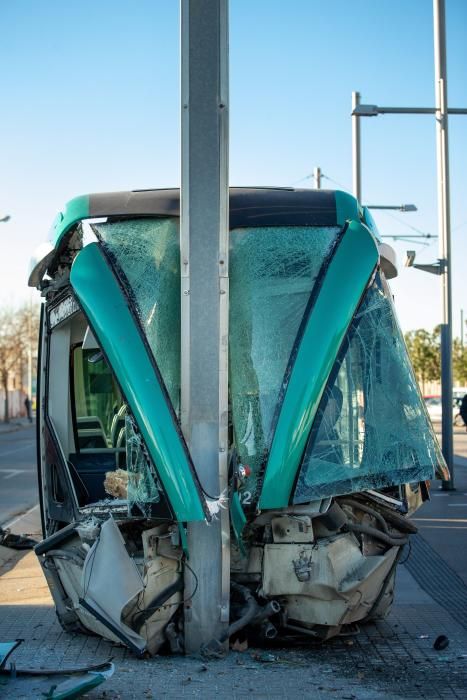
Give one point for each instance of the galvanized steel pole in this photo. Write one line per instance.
(356, 150)
(441, 95)
(204, 268)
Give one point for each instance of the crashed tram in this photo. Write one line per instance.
(331, 448)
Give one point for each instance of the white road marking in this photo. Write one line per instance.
(457, 505)
(22, 515)
(12, 472)
(441, 520)
(446, 527)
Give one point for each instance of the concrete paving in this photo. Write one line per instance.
(443, 521)
(391, 659)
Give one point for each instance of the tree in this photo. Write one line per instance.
(18, 337)
(459, 362)
(424, 351)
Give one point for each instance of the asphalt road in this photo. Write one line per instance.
(18, 473)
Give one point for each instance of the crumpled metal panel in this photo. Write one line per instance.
(110, 580)
(326, 583)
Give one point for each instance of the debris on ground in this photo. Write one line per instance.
(7, 648)
(265, 657)
(441, 642)
(239, 646)
(8, 539)
(53, 683)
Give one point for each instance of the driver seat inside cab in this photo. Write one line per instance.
(330, 446)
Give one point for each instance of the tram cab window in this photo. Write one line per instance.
(98, 414)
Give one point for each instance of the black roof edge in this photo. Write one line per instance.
(248, 206)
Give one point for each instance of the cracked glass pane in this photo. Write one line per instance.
(371, 429)
(272, 274)
(148, 252)
(143, 488)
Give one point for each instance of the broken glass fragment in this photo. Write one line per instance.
(143, 488)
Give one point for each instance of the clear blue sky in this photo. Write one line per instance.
(90, 102)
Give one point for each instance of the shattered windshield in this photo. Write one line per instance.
(273, 271)
(147, 251)
(371, 429)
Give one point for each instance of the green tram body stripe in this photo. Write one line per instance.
(75, 210)
(347, 208)
(346, 278)
(105, 306)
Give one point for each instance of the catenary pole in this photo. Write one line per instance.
(356, 150)
(444, 224)
(204, 312)
(317, 177)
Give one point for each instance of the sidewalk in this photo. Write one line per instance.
(15, 424)
(391, 659)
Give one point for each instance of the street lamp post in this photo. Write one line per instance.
(393, 207)
(444, 224)
(441, 111)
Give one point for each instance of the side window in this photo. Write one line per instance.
(110, 458)
(99, 411)
(98, 414)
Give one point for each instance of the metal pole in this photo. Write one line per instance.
(317, 178)
(462, 328)
(441, 94)
(356, 150)
(204, 267)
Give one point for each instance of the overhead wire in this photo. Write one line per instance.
(307, 177)
(407, 239)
